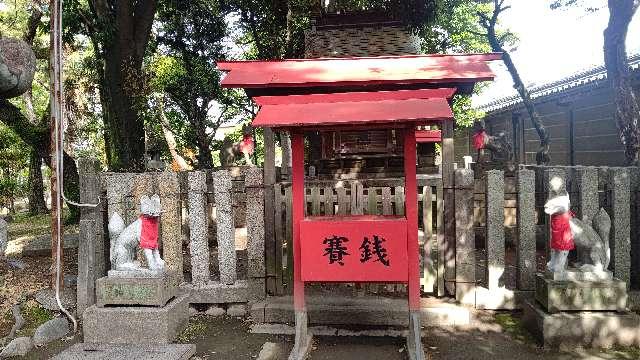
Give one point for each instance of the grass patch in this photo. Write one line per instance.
(34, 316)
(25, 225)
(513, 326)
(196, 329)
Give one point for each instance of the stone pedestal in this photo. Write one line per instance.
(569, 313)
(575, 295)
(136, 324)
(120, 289)
(583, 328)
(136, 307)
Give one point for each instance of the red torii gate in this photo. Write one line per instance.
(392, 92)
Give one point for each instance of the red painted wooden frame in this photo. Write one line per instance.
(411, 216)
(428, 136)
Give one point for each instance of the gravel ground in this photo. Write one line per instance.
(16, 283)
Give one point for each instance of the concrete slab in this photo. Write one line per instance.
(584, 328)
(127, 352)
(370, 310)
(136, 324)
(606, 295)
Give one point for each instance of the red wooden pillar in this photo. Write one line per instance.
(411, 212)
(298, 199)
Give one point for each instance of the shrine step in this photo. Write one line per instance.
(369, 310)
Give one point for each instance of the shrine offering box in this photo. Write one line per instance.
(354, 249)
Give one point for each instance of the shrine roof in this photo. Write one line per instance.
(409, 70)
(387, 113)
(445, 93)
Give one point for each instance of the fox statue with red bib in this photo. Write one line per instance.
(591, 241)
(141, 233)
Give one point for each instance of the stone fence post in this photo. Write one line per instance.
(199, 227)
(91, 248)
(618, 184)
(495, 228)
(225, 226)
(465, 237)
(588, 204)
(526, 239)
(254, 189)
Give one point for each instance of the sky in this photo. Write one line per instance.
(553, 44)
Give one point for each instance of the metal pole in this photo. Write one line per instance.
(56, 141)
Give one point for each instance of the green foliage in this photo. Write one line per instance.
(456, 29)
(14, 159)
(464, 113)
(189, 38)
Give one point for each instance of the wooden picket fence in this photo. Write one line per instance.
(358, 197)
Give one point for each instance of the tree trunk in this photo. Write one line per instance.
(627, 113)
(180, 162)
(124, 126)
(542, 156)
(37, 203)
(205, 160)
(38, 137)
(120, 32)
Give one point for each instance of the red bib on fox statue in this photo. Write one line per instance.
(561, 237)
(247, 144)
(479, 139)
(149, 233)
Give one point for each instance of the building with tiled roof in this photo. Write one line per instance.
(577, 112)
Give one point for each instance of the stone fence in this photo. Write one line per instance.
(204, 252)
(494, 274)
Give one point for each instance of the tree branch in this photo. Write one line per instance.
(32, 25)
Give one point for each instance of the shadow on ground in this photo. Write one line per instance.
(488, 338)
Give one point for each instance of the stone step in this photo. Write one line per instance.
(128, 352)
(368, 311)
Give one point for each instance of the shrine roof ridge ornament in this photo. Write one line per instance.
(361, 71)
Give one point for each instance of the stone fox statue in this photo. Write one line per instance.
(142, 232)
(567, 232)
(231, 151)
